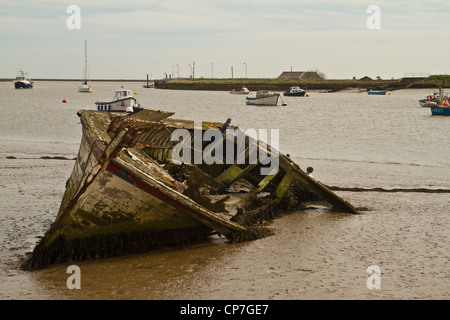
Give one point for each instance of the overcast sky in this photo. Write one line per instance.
(130, 39)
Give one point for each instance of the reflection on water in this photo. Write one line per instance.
(351, 139)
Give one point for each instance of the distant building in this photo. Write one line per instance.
(300, 75)
(366, 78)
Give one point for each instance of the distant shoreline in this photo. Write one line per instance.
(79, 80)
(272, 84)
(331, 85)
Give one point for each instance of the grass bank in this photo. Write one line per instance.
(284, 84)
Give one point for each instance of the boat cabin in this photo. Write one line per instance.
(262, 93)
(295, 89)
(122, 94)
(21, 76)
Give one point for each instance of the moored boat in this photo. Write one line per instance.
(123, 101)
(23, 81)
(129, 192)
(242, 90)
(442, 106)
(434, 100)
(84, 87)
(376, 92)
(295, 92)
(427, 104)
(262, 98)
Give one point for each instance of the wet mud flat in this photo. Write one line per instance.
(312, 254)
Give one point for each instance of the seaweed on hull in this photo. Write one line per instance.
(135, 187)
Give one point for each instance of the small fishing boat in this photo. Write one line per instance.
(242, 90)
(22, 81)
(426, 103)
(130, 192)
(84, 87)
(295, 92)
(441, 106)
(435, 99)
(377, 92)
(262, 98)
(123, 101)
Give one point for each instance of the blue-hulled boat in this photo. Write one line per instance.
(378, 92)
(295, 92)
(440, 110)
(22, 81)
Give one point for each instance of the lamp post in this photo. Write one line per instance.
(231, 72)
(178, 71)
(245, 69)
(190, 71)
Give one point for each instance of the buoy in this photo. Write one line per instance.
(445, 103)
(90, 90)
(307, 94)
(135, 92)
(122, 104)
(64, 101)
(284, 104)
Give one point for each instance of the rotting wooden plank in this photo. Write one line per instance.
(261, 186)
(179, 201)
(283, 186)
(315, 186)
(233, 174)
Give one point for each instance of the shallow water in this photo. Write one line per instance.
(351, 139)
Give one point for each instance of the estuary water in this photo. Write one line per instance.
(351, 139)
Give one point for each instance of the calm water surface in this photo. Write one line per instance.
(350, 138)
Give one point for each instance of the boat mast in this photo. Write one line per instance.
(85, 62)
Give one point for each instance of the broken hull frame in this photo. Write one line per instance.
(120, 197)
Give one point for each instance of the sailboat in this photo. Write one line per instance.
(84, 87)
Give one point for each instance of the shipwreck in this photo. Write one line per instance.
(132, 190)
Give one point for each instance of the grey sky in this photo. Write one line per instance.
(129, 39)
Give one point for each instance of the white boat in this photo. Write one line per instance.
(22, 81)
(243, 90)
(123, 101)
(262, 98)
(84, 86)
(427, 104)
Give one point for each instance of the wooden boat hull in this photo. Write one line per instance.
(125, 195)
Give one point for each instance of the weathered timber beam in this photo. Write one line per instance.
(233, 174)
(315, 186)
(283, 186)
